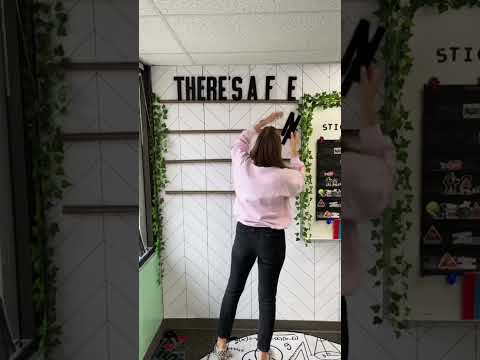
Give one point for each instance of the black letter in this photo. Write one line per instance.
(200, 88)
(238, 89)
(365, 52)
(468, 58)
(252, 89)
(179, 80)
(211, 87)
(454, 52)
(221, 89)
(290, 126)
(291, 87)
(268, 87)
(190, 88)
(441, 55)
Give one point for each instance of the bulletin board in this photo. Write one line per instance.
(328, 189)
(450, 186)
(327, 126)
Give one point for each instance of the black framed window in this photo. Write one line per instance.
(15, 252)
(146, 242)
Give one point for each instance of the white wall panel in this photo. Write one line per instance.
(97, 254)
(200, 228)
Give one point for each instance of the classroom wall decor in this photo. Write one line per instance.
(422, 286)
(428, 340)
(450, 226)
(199, 224)
(328, 189)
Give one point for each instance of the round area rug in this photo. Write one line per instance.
(286, 346)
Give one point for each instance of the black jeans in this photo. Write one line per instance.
(345, 340)
(268, 245)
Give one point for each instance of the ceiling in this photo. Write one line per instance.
(189, 32)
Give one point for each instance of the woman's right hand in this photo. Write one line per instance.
(269, 119)
(294, 143)
(370, 82)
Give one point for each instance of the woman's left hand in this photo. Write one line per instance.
(269, 119)
(294, 143)
(370, 83)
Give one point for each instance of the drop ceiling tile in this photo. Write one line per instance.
(281, 57)
(165, 59)
(156, 37)
(244, 6)
(249, 33)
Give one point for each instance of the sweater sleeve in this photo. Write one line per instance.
(295, 177)
(368, 177)
(298, 165)
(241, 145)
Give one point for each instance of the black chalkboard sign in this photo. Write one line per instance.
(450, 223)
(328, 180)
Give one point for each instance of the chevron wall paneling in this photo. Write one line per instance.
(97, 247)
(199, 226)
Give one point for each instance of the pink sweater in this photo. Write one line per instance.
(263, 193)
(367, 187)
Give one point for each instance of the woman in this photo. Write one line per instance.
(368, 168)
(263, 187)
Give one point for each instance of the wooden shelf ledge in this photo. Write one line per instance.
(199, 192)
(203, 161)
(262, 101)
(226, 131)
(100, 209)
(101, 66)
(100, 136)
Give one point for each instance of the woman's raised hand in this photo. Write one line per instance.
(269, 119)
(370, 82)
(294, 143)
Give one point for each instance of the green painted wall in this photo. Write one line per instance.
(151, 304)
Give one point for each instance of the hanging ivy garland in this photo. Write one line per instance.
(45, 104)
(391, 267)
(158, 148)
(307, 105)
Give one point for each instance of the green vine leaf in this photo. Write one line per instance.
(46, 97)
(158, 147)
(306, 108)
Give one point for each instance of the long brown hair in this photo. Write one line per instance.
(267, 151)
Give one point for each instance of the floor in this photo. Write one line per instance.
(197, 336)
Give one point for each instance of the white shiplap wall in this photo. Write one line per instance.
(200, 228)
(97, 254)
